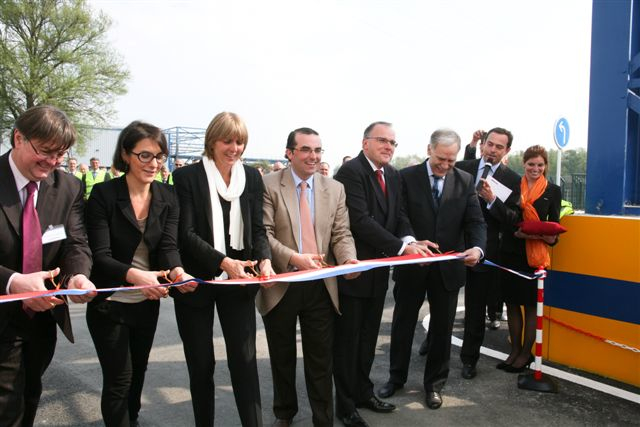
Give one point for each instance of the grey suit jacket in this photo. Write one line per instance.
(282, 222)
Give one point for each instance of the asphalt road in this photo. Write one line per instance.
(72, 386)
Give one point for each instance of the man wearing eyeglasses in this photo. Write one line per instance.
(307, 224)
(37, 197)
(93, 176)
(380, 229)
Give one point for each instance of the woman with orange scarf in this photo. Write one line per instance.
(540, 201)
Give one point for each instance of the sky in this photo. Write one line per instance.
(338, 65)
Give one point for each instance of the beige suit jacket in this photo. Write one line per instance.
(282, 222)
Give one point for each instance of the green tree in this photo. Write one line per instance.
(402, 162)
(56, 52)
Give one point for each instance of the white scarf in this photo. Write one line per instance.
(232, 193)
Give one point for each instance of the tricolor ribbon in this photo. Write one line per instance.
(292, 277)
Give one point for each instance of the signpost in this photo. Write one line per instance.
(561, 136)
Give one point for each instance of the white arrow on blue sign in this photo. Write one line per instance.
(561, 132)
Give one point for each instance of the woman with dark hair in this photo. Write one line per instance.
(132, 225)
(540, 201)
(221, 235)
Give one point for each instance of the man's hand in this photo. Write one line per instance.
(80, 281)
(486, 193)
(34, 282)
(472, 257)
(306, 261)
(352, 276)
(477, 136)
(417, 248)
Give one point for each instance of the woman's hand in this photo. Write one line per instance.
(178, 274)
(138, 277)
(235, 267)
(266, 270)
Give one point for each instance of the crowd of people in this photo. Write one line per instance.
(219, 218)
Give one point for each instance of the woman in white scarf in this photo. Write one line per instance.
(221, 235)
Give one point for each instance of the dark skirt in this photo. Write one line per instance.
(517, 290)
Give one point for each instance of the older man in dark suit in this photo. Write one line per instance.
(380, 229)
(443, 209)
(499, 216)
(37, 198)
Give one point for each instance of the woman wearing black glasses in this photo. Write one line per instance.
(132, 224)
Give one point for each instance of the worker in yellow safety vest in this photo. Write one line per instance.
(93, 176)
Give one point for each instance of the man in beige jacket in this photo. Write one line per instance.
(307, 223)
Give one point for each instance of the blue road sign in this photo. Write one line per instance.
(561, 132)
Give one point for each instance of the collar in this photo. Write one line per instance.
(494, 168)
(297, 180)
(430, 172)
(373, 166)
(21, 181)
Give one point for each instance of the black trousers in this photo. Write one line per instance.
(355, 338)
(479, 287)
(237, 314)
(25, 353)
(310, 302)
(123, 335)
(409, 296)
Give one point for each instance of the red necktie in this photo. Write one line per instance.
(381, 181)
(31, 237)
(309, 245)
(31, 233)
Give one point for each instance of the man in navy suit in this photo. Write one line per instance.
(30, 178)
(499, 216)
(380, 229)
(443, 209)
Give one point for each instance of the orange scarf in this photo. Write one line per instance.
(537, 250)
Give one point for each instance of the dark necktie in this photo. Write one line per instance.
(435, 192)
(381, 182)
(309, 245)
(94, 173)
(485, 174)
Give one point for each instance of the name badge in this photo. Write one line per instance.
(53, 233)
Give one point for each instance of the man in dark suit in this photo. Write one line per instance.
(443, 209)
(380, 229)
(302, 233)
(498, 215)
(36, 198)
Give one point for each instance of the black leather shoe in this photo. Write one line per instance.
(423, 348)
(469, 371)
(376, 405)
(434, 400)
(353, 419)
(280, 422)
(502, 365)
(516, 370)
(389, 389)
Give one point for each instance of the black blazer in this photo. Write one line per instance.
(456, 225)
(114, 234)
(196, 227)
(59, 202)
(377, 223)
(502, 216)
(548, 208)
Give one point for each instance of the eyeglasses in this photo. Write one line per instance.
(308, 150)
(391, 142)
(146, 157)
(55, 155)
